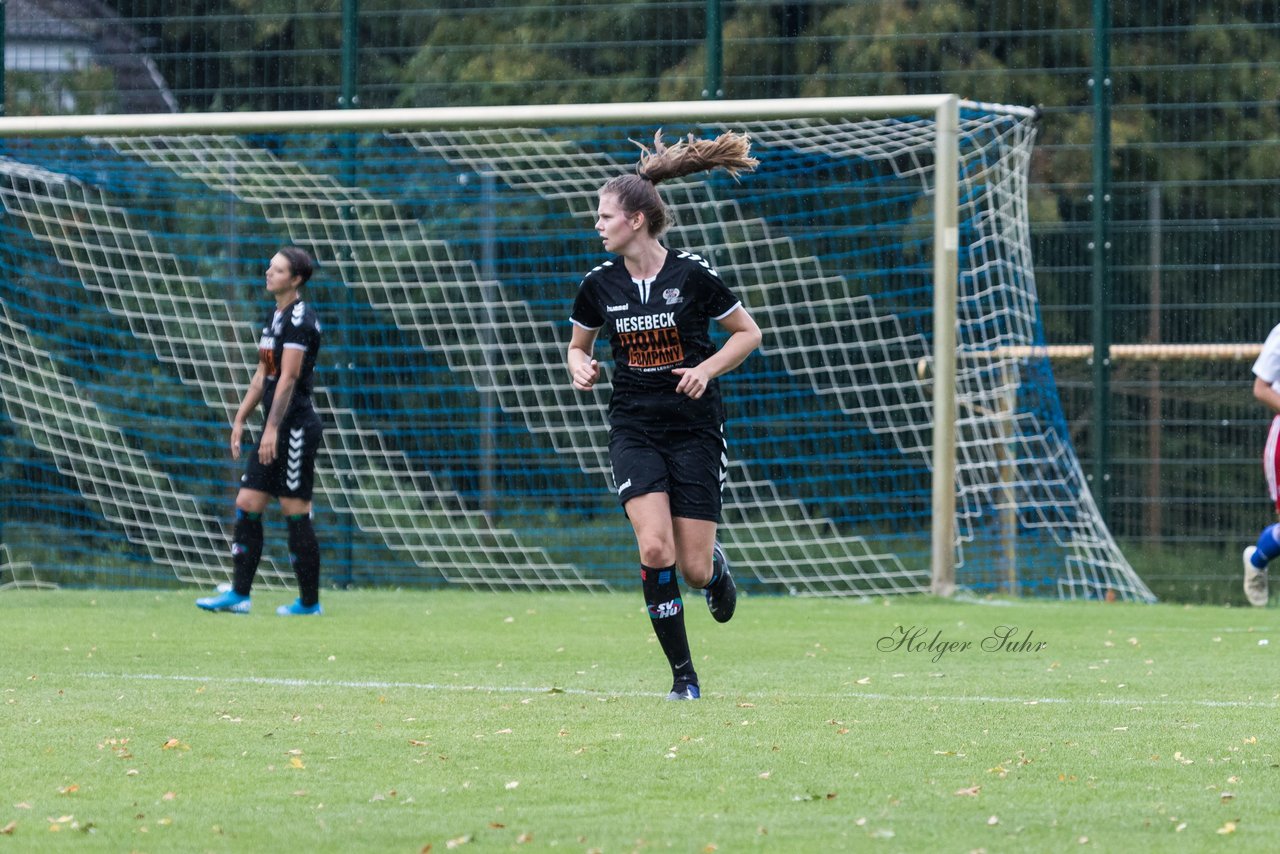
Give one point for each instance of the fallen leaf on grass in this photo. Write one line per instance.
(69, 789)
(971, 792)
(9, 828)
(1228, 828)
(174, 744)
(458, 841)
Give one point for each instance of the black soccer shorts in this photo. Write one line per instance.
(690, 465)
(293, 473)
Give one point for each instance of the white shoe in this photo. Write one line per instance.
(1255, 580)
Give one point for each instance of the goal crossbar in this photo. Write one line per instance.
(535, 115)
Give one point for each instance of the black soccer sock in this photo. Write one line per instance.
(304, 554)
(246, 550)
(666, 611)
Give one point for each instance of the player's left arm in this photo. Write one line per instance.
(290, 370)
(744, 337)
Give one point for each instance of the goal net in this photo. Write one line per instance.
(897, 427)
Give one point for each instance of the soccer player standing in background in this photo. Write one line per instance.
(666, 420)
(284, 465)
(1266, 388)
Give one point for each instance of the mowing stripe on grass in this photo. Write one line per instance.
(590, 692)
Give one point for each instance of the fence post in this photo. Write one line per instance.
(350, 53)
(713, 88)
(4, 15)
(347, 100)
(1100, 250)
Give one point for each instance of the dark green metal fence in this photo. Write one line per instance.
(1194, 143)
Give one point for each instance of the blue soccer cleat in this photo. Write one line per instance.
(684, 692)
(722, 597)
(297, 609)
(228, 601)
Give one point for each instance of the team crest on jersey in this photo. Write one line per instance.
(672, 296)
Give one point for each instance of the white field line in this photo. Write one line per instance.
(276, 681)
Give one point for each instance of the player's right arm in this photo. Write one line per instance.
(252, 397)
(583, 369)
(1263, 391)
(1266, 370)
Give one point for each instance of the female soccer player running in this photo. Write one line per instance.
(1266, 388)
(666, 437)
(284, 465)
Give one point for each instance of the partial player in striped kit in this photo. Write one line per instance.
(284, 465)
(666, 419)
(1266, 388)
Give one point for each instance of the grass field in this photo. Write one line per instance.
(523, 722)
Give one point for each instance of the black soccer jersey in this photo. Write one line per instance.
(654, 326)
(294, 327)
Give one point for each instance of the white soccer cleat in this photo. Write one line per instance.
(1255, 580)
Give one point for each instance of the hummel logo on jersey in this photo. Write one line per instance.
(298, 309)
(622, 307)
(624, 486)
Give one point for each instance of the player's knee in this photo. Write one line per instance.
(250, 502)
(656, 553)
(695, 573)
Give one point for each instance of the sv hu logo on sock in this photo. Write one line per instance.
(665, 609)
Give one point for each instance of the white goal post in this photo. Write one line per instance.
(935, 204)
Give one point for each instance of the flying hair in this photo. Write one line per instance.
(729, 151)
(638, 193)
